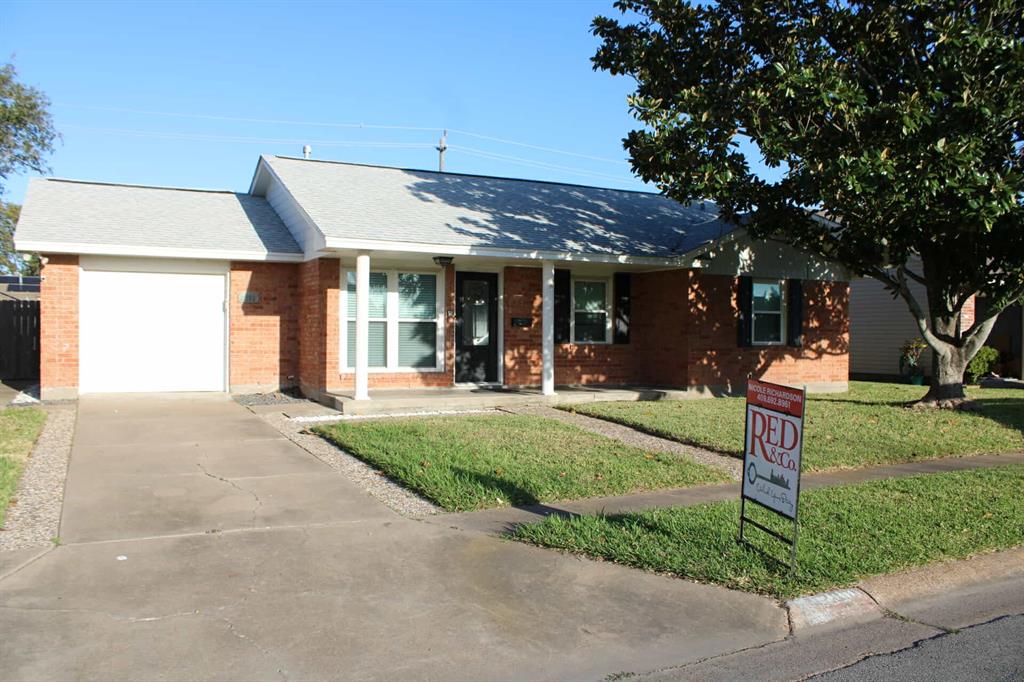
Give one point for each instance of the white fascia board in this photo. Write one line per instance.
(154, 251)
(691, 255)
(261, 167)
(334, 243)
(312, 250)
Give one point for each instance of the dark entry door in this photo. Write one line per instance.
(476, 327)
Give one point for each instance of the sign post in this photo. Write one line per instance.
(772, 447)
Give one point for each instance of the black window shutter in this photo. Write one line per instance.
(795, 313)
(745, 301)
(620, 326)
(563, 305)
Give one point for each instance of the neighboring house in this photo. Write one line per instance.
(19, 288)
(880, 324)
(338, 277)
(1007, 337)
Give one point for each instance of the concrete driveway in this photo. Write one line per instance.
(200, 544)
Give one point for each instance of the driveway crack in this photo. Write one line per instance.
(255, 497)
(249, 640)
(108, 614)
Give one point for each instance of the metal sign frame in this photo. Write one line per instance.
(744, 498)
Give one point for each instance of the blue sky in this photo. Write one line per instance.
(516, 70)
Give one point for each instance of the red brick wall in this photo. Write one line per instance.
(264, 338)
(716, 360)
(574, 363)
(446, 377)
(522, 298)
(659, 327)
(967, 313)
(317, 324)
(682, 333)
(58, 328)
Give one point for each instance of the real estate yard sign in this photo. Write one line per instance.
(772, 445)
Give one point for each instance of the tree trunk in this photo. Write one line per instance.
(947, 377)
(952, 346)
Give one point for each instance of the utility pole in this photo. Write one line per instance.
(441, 148)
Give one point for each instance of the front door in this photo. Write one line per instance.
(476, 327)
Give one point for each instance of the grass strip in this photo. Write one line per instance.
(478, 461)
(846, 533)
(867, 426)
(19, 429)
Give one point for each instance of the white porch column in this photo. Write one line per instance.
(362, 326)
(548, 329)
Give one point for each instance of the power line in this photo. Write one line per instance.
(369, 126)
(538, 147)
(203, 137)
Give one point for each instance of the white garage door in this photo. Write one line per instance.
(151, 331)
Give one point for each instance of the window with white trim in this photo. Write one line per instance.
(768, 312)
(378, 319)
(591, 321)
(406, 330)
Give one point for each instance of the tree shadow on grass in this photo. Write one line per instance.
(1005, 411)
(519, 498)
(850, 401)
(1008, 412)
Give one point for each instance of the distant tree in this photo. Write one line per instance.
(900, 118)
(27, 136)
(10, 262)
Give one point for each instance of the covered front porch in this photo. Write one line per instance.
(486, 328)
(463, 398)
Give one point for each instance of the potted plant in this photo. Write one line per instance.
(910, 360)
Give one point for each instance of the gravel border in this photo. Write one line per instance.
(730, 465)
(34, 519)
(395, 496)
(274, 398)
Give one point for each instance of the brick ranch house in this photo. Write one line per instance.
(337, 277)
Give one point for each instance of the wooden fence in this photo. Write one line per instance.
(19, 340)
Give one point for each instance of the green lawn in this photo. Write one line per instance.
(479, 461)
(846, 533)
(866, 426)
(19, 428)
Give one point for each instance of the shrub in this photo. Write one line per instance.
(982, 363)
(910, 356)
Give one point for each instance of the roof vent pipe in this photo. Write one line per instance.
(307, 151)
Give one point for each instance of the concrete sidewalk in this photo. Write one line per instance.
(200, 544)
(503, 519)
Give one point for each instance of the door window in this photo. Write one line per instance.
(475, 313)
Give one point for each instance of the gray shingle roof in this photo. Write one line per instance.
(371, 202)
(126, 215)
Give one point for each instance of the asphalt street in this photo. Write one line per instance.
(990, 651)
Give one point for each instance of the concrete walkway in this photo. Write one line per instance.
(198, 543)
(630, 436)
(501, 520)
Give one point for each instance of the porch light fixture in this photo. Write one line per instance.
(443, 261)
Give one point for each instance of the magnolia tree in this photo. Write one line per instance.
(900, 120)
(27, 135)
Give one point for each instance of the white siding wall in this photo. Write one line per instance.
(743, 256)
(879, 325)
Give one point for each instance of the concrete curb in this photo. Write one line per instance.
(892, 591)
(836, 607)
(879, 596)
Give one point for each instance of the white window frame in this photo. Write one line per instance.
(607, 308)
(781, 314)
(392, 321)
